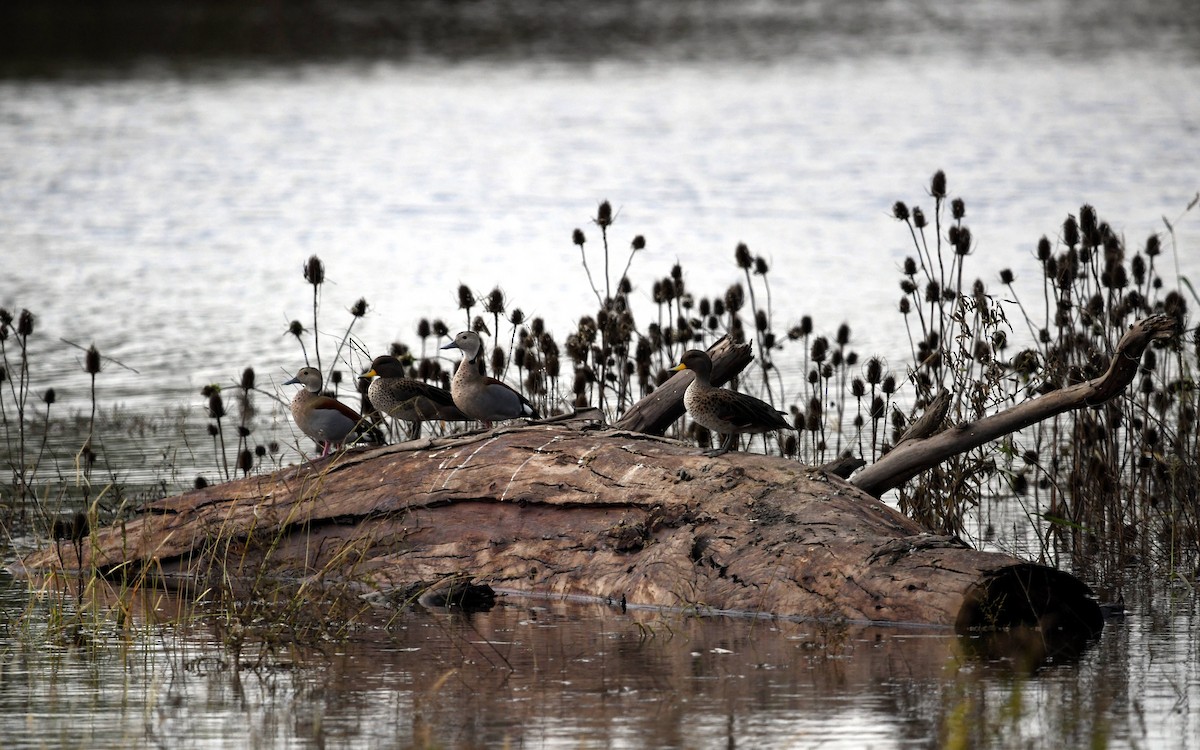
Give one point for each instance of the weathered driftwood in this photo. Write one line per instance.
(912, 456)
(566, 509)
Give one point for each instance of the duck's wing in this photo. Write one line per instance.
(502, 399)
(746, 413)
(331, 416)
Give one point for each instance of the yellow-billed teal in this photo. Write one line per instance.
(724, 411)
(324, 419)
(400, 397)
(481, 397)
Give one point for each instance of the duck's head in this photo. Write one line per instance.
(469, 342)
(695, 360)
(385, 366)
(309, 377)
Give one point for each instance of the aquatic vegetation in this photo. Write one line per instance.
(1098, 489)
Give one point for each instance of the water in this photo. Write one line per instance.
(552, 674)
(163, 211)
(167, 219)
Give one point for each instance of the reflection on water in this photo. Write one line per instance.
(540, 674)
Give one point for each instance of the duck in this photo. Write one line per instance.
(324, 419)
(722, 410)
(481, 397)
(399, 397)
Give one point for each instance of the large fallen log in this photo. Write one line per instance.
(570, 509)
(574, 509)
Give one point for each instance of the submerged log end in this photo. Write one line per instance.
(1032, 596)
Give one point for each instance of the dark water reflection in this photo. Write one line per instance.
(548, 674)
(47, 34)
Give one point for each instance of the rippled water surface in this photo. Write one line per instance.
(539, 674)
(162, 208)
(166, 219)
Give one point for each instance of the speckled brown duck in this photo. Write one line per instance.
(722, 410)
(404, 398)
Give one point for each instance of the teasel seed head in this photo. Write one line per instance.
(760, 321)
(91, 360)
(958, 209)
(735, 297)
(820, 346)
(494, 303)
(604, 215)
(466, 298)
(874, 370)
(1138, 267)
(25, 324)
(937, 186)
(1070, 231)
(742, 255)
(857, 388)
(1043, 249)
(314, 271)
(245, 461)
(963, 246)
(216, 406)
(1088, 228)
